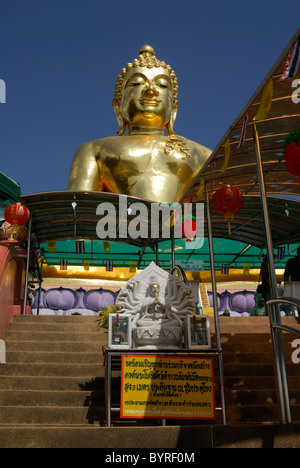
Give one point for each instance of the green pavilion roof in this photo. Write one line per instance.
(9, 192)
(54, 219)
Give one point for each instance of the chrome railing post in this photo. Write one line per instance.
(279, 353)
(216, 312)
(27, 266)
(277, 364)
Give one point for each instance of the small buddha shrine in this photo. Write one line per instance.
(158, 303)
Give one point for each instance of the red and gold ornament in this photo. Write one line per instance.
(228, 201)
(292, 153)
(16, 215)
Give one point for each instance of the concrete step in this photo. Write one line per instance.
(258, 397)
(252, 414)
(96, 397)
(52, 398)
(32, 335)
(73, 415)
(37, 357)
(79, 319)
(22, 415)
(73, 355)
(242, 325)
(227, 324)
(257, 369)
(239, 358)
(251, 325)
(248, 369)
(50, 369)
(56, 346)
(91, 436)
(244, 338)
(54, 327)
(249, 382)
(118, 439)
(65, 383)
(253, 397)
(230, 346)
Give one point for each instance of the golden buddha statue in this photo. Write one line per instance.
(146, 163)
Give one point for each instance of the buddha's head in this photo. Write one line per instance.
(154, 287)
(146, 95)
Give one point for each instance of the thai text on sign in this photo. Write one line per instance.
(167, 387)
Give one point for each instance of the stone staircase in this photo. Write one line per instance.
(250, 384)
(52, 387)
(54, 371)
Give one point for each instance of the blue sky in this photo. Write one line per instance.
(60, 59)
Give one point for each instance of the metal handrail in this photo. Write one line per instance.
(181, 271)
(288, 301)
(279, 353)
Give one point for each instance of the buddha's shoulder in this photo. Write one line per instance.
(94, 146)
(88, 145)
(172, 141)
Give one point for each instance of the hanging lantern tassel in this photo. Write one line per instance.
(106, 246)
(229, 218)
(13, 229)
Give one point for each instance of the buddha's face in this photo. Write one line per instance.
(154, 288)
(147, 97)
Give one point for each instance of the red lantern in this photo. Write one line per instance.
(228, 201)
(16, 215)
(292, 153)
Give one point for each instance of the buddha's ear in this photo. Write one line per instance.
(121, 121)
(170, 124)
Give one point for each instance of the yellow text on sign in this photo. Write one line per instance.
(167, 387)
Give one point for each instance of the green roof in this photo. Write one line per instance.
(229, 252)
(68, 217)
(9, 189)
(9, 192)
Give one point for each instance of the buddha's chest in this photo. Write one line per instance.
(143, 167)
(136, 156)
